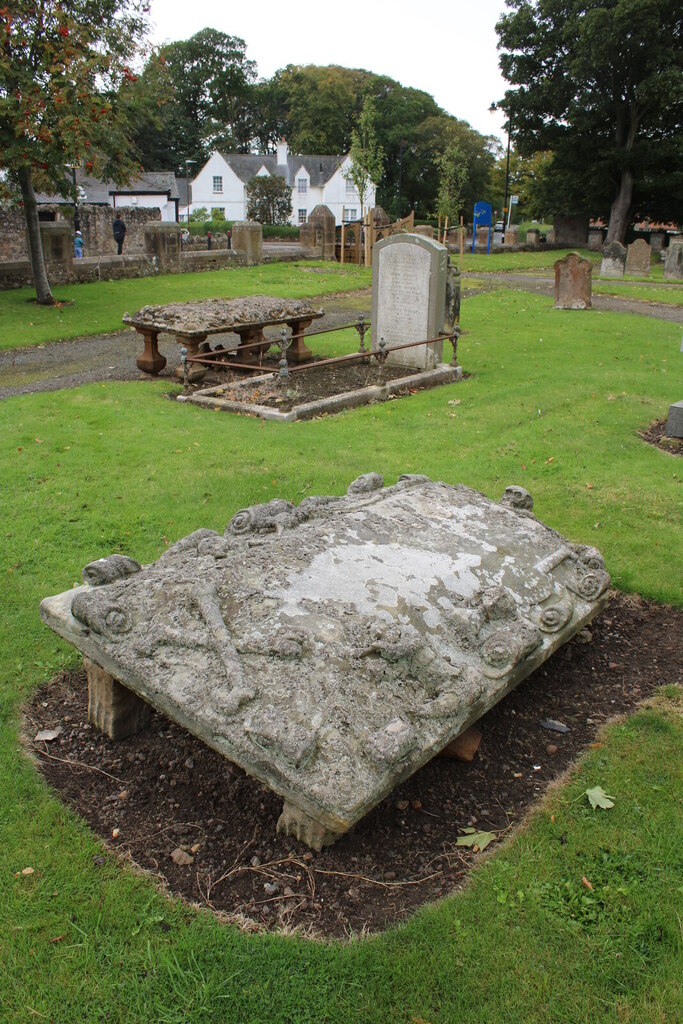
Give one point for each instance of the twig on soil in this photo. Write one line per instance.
(375, 881)
(78, 764)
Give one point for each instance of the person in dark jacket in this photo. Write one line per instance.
(119, 229)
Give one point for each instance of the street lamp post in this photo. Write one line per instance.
(492, 110)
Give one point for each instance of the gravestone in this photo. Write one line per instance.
(333, 648)
(323, 217)
(532, 238)
(595, 238)
(638, 258)
(311, 237)
(247, 239)
(573, 276)
(673, 261)
(674, 421)
(426, 230)
(571, 229)
(409, 297)
(657, 241)
(613, 260)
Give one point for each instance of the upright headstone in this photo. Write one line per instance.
(571, 229)
(532, 238)
(595, 237)
(638, 258)
(613, 260)
(573, 276)
(426, 230)
(323, 217)
(247, 238)
(657, 240)
(311, 238)
(409, 297)
(673, 261)
(674, 421)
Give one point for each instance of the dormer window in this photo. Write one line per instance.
(302, 186)
(350, 188)
(218, 183)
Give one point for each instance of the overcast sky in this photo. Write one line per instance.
(448, 49)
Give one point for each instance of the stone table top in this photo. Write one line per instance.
(213, 316)
(333, 647)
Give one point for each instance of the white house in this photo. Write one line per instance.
(221, 184)
(151, 189)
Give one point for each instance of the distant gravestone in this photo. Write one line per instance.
(323, 217)
(613, 260)
(673, 261)
(247, 238)
(674, 421)
(426, 230)
(408, 297)
(595, 237)
(657, 241)
(573, 276)
(638, 258)
(532, 237)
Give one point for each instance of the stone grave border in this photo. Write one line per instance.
(210, 398)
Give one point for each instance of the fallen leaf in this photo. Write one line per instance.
(116, 832)
(47, 735)
(584, 881)
(554, 726)
(598, 798)
(28, 871)
(478, 840)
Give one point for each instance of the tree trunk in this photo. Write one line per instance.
(619, 215)
(35, 244)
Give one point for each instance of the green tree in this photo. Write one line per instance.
(600, 84)
(452, 171)
(319, 106)
(366, 154)
(210, 84)
(269, 199)
(66, 98)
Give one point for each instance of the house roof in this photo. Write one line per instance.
(319, 168)
(98, 192)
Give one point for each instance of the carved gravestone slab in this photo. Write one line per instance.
(638, 258)
(333, 648)
(573, 276)
(613, 260)
(408, 297)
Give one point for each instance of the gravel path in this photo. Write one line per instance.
(68, 364)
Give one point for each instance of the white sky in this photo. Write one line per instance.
(448, 49)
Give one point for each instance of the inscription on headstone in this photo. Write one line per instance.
(638, 258)
(613, 260)
(408, 297)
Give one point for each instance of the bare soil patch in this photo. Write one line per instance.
(164, 791)
(656, 435)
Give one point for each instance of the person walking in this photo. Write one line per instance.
(119, 229)
(78, 246)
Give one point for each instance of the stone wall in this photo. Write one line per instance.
(95, 225)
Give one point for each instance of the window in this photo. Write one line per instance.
(350, 214)
(350, 188)
(302, 185)
(218, 182)
(302, 216)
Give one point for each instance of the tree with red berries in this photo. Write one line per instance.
(68, 97)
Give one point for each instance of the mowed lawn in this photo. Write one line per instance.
(554, 403)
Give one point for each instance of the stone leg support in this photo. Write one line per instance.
(195, 371)
(151, 360)
(299, 352)
(112, 707)
(251, 336)
(295, 822)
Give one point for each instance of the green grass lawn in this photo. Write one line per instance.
(98, 308)
(553, 403)
(672, 293)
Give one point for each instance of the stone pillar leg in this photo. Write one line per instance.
(298, 351)
(151, 360)
(295, 822)
(195, 371)
(112, 707)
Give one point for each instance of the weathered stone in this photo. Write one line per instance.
(113, 708)
(573, 276)
(322, 217)
(638, 258)
(532, 238)
(674, 421)
(409, 298)
(247, 238)
(464, 746)
(333, 647)
(425, 230)
(571, 229)
(613, 260)
(673, 261)
(595, 239)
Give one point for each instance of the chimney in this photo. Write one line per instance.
(282, 152)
